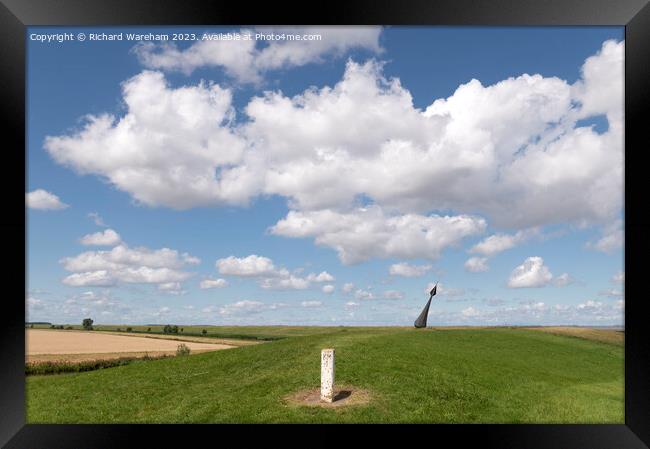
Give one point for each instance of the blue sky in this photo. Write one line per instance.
(326, 181)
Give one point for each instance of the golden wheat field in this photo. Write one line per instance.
(57, 345)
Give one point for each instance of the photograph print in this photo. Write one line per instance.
(325, 224)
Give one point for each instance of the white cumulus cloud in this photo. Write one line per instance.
(247, 307)
(512, 152)
(563, 280)
(497, 243)
(366, 232)
(612, 293)
(323, 276)
(123, 264)
(364, 294)
(173, 288)
(406, 270)
(393, 294)
(98, 278)
(612, 238)
(166, 148)
(97, 219)
(249, 266)
(246, 62)
(476, 264)
(43, 200)
(289, 282)
(532, 273)
(590, 304)
(470, 312)
(268, 275)
(213, 283)
(106, 238)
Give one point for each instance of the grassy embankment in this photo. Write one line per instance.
(497, 375)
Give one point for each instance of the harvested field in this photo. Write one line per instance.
(51, 345)
(612, 336)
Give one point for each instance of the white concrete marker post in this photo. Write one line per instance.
(327, 375)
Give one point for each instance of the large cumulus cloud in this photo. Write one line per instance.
(513, 154)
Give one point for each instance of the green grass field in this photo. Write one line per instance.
(492, 375)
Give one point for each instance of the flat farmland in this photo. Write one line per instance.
(71, 345)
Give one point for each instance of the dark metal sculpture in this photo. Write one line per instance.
(422, 319)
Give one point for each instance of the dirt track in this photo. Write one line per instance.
(41, 342)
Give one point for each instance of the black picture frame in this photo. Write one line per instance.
(16, 15)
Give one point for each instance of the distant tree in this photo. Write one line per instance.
(167, 329)
(119, 329)
(129, 329)
(175, 329)
(31, 326)
(204, 332)
(87, 324)
(181, 329)
(69, 328)
(148, 329)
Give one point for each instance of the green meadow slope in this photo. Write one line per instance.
(491, 375)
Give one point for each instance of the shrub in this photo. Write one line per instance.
(69, 328)
(119, 329)
(129, 329)
(181, 329)
(148, 329)
(87, 324)
(204, 332)
(183, 349)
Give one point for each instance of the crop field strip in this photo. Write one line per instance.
(70, 346)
